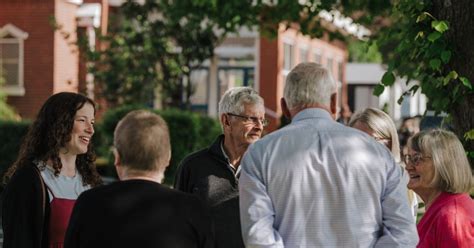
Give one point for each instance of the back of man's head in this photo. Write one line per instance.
(234, 99)
(142, 141)
(308, 83)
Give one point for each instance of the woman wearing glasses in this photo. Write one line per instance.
(439, 172)
(380, 126)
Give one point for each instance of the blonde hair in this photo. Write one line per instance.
(142, 141)
(382, 126)
(452, 172)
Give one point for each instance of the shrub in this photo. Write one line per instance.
(12, 135)
(188, 133)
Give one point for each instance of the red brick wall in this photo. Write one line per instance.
(32, 16)
(272, 76)
(268, 71)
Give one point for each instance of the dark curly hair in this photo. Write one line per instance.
(50, 132)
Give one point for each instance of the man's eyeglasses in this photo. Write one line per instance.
(251, 119)
(414, 159)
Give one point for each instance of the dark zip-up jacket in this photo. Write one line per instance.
(208, 175)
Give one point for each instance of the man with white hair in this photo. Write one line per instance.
(212, 173)
(317, 183)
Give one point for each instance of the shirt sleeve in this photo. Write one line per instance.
(256, 209)
(399, 229)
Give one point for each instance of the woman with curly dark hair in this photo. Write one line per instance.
(55, 165)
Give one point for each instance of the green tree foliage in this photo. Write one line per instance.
(364, 51)
(6, 112)
(427, 41)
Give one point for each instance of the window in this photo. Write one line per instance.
(11, 59)
(318, 58)
(340, 71)
(288, 60)
(330, 65)
(303, 54)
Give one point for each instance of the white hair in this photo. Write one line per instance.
(234, 100)
(308, 83)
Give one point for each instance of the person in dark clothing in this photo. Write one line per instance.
(212, 173)
(55, 164)
(138, 211)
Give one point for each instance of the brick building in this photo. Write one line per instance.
(37, 60)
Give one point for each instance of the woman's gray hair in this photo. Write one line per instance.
(308, 83)
(383, 127)
(452, 172)
(234, 100)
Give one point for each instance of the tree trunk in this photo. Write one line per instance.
(460, 15)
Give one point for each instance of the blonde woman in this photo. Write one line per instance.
(380, 126)
(440, 174)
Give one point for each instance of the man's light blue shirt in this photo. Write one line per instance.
(317, 183)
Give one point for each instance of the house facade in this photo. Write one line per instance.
(37, 58)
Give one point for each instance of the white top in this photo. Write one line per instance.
(63, 187)
(317, 183)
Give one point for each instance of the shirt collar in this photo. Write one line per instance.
(312, 113)
(236, 171)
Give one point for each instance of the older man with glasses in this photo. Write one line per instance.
(212, 173)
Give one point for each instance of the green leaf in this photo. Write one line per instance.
(451, 75)
(469, 135)
(440, 26)
(378, 90)
(455, 91)
(435, 64)
(414, 88)
(446, 56)
(388, 78)
(434, 36)
(400, 100)
(421, 17)
(466, 82)
(420, 35)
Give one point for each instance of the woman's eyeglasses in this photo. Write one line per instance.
(414, 159)
(251, 119)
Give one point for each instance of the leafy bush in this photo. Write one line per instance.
(188, 133)
(12, 135)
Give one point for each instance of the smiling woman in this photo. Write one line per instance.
(55, 164)
(440, 173)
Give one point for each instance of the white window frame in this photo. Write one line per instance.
(317, 52)
(291, 44)
(18, 38)
(304, 49)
